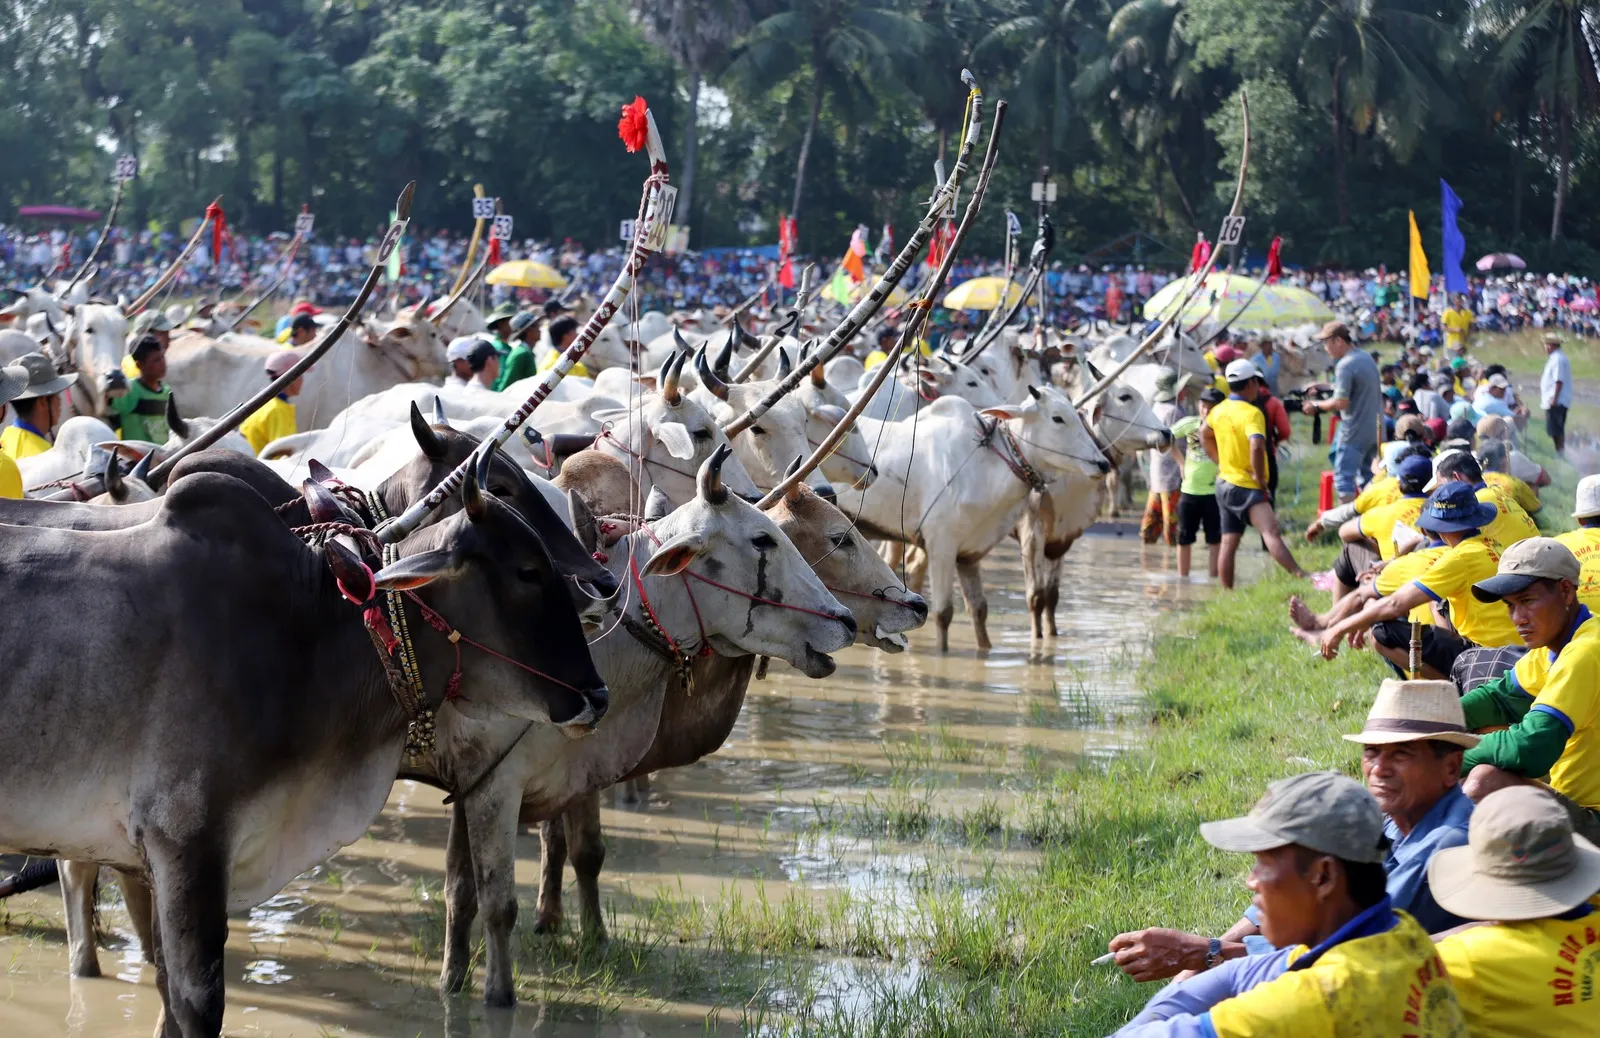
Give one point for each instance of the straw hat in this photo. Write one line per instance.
(1406, 711)
(1522, 860)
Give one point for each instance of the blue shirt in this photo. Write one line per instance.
(1445, 825)
(1183, 1010)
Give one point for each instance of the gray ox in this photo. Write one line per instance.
(223, 786)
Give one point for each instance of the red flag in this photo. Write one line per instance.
(855, 256)
(943, 237)
(1201, 253)
(1274, 263)
(219, 231)
(788, 233)
(494, 251)
(633, 127)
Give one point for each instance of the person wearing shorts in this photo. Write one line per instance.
(1235, 437)
(1197, 495)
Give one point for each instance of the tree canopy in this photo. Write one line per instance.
(837, 109)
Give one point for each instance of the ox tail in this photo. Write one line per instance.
(34, 875)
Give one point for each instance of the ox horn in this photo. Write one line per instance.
(678, 342)
(471, 497)
(427, 439)
(745, 338)
(175, 421)
(656, 506)
(724, 360)
(141, 468)
(667, 380)
(709, 482)
(709, 378)
(112, 478)
(785, 365)
(321, 504)
(351, 573)
(794, 479)
(438, 411)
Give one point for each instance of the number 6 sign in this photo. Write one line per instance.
(1232, 230)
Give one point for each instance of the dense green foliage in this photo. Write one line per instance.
(834, 108)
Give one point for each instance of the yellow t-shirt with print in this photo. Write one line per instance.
(1390, 984)
(1234, 422)
(10, 478)
(1529, 979)
(1380, 522)
(1381, 491)
(1585, 544)
(1512, 524)
(19, 443)
(1403, 571)
(1451, 578)
(1525, 496)
(1571, 685)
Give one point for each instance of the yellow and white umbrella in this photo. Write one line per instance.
(527, 274)
(983, 294)
(1239, 300)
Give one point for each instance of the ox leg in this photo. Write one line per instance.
(78, 881)
(1029, 540)
(460, 904)
(190, 886)
(977, 605)
(552, 866)
(492, 825)
(136, 898)
(1052, 595)
(586, 848)
(916, 568)
(941, 590)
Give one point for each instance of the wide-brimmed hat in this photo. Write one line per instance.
(1454, 508)
(1322, 811)
(1522, 860)
(1528, 560)
(13, 380)
(149, 321)
(1587, 499)
(520, 323)
(1406, 711)
(43, 380)
(503, 312)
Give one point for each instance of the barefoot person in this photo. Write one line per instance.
(1197, 498)
(1235, 437)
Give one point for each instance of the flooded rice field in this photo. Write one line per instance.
(802, 870)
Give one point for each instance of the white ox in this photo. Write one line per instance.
(954, 485)
(772, 444)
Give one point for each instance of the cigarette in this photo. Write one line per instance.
(1102, 960)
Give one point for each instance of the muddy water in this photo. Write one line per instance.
(888, 744)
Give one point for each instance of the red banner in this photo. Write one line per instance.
(1274, 262)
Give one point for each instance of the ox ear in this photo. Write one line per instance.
(1005, 412)
(416, 571)
(674, 436)
(584, 523)
(674, 556)
(427, 439)
(355, 579)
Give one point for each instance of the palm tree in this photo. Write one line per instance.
(697, 33)
(835, 49)
(1048, 37)
(1147, 86)
(1549, 42)
(1372, 64)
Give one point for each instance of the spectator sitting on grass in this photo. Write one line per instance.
(1411, 752)
(1349, 961)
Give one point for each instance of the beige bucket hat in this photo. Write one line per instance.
(1406, 711)
(1522, 861)
(13, 382)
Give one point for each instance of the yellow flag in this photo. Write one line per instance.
(1419, 262)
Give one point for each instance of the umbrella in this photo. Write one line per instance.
(1235, 298)
(526, 274)
(897, 295)
(1501, 261)
(982, 294)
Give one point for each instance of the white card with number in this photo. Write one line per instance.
(303, 224)
(483, 208)
(127, 168)
(501, 228)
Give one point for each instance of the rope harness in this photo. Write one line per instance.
(997, 436)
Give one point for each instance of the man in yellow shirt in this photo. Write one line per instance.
(1456, 322)
(37, 408)
(13, 380)
(1350, 963)
(275, 418)
(1529, 971)
(1235, 437)
(1454, 515)
(1510, 524)
(1550, 700)
(1584, 542)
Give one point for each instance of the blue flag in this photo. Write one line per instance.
(1455, 246)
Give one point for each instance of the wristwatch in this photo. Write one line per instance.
(1213, 952)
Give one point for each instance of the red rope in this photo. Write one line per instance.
(452, 688)
(756, 598)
